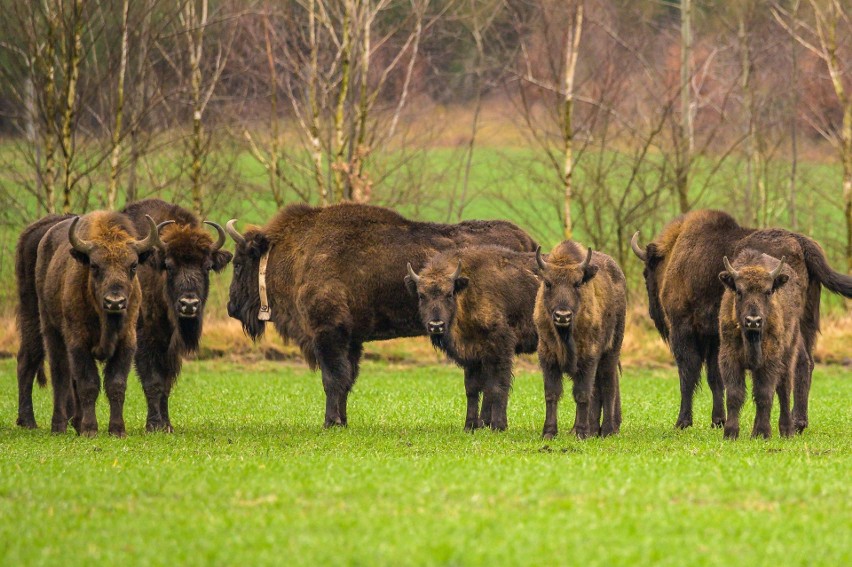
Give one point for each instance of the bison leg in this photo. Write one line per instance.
(688, 358)
(30, 361)
(152, 373)
(552, 395)
(472, 389)
(115, 386)
(714, 380)
(60, 378)
(802, 388)
(763, 392)
(583, 391)
(607, 393)
(355, 352)
(733, 376)
(499, 382)
(86, 387)
(336, 374)
(785, 420)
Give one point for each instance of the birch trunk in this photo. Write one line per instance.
(112, 190)
(572, 48)
(687, 140)
(70, 103)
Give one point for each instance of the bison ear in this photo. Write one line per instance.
(779, 282)
(589, 273)
(221, 258)
(728, 280)
(410, 286)
(258, 245)
(81, 257)
(460, 284)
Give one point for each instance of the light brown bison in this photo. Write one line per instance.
(759, 328)
(580, 313)
(476, 304)
(334, 279)
(175, 284)
(684, 294)
(89, 299)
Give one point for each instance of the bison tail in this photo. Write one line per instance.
(40, 377)
(819, 269)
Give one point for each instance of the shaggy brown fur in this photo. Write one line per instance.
(335, 281)
(684, 294)
(31, 349)
(175, 285)
(480, 317)
(580, 314)
(759, 330)
(79, 294)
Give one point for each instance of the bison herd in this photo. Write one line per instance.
(131, 287)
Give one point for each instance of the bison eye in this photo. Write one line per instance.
(578, 285)
(421, 297)
(133, 268)
(547, 284)
(237, 269)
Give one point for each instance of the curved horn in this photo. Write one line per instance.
(150, 241)
(539, 260)
(238, 238)
(634, 244)
(457, 273)
(777, 271)
(588, 259)
(78, 243)
(411, 274)
(160, 226)
(221, 242)
(730, 268)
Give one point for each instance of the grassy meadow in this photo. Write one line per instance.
(250, 477)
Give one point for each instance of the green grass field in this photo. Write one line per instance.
(251, 478)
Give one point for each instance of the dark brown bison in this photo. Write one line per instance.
(477, 306)
(175, 284)
(759, 328)
(580, 312)
(89, 299)
(31, 350)
(334, 280)
(684, 294)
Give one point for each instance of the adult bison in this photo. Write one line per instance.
(175, 284)
(684, 294)
(580, 313)
(89, 298)
(334, 276)
(476, 304)
(759, 329)
(31, 349)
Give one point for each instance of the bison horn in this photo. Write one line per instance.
(777, 271)
(411, 274)
(150, 241)
(634, 244)
(588, 259)
(539, 260)
(221, 231)
(159, 228)
(457, 273)
(238, 238)
(730, 268)
(78, 243)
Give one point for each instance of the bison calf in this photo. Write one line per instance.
(759, 329)
(580, 311)
(89, 298)
(477, 306)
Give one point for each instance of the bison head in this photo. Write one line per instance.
(244, 295)
(112, 256)
(561, 291)
(436, 290)
(753, 285)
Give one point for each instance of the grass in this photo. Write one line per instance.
(251, 478)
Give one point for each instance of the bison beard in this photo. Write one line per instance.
(189, 330)
(754, 350)
(566, 336)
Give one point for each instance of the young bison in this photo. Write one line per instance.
(759, 329)
(580, 311)
(89, 299)
(477, 307)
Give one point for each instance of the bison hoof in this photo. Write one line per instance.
(760, 434)
(497, 426)
(786, 431)
(58, 427)
(472, 425)
(163, 427)
(683, 422)
(120, 433)
(333, 422)
(90, 433)
(27, 423)
(801, 424)
(548, 435)
(718, 423)
(608, 430)
(732, 432)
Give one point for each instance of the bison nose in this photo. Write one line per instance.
(435, 327)
(232, 311)
(753, 322)
(188, 306)
(115, 303)
(562, 318)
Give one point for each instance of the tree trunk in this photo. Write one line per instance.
(572, 48)
(687, 138)
(340, 166)
(75, 48)
(112, 190)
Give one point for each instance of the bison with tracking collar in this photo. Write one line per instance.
(759, 329)
(580, 313)
(476, 305)
(89, 298)
(333, 280)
